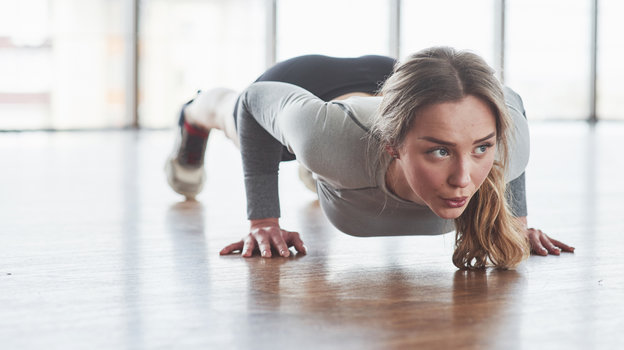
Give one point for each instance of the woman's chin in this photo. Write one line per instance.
(449, 213)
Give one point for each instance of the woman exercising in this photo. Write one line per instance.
(421, 147)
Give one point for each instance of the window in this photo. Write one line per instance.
(548, 56)
(610, 57)
(456, 23)
(188, 45)
(61, 64)
(345, 28)
(66, 64)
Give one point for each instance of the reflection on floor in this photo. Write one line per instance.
(97, 252)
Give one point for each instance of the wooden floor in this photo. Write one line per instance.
(96, 252)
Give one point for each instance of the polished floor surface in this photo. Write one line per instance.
(96, 252)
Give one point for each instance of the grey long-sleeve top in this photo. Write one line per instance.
(330, 139)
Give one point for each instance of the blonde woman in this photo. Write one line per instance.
(441, 147)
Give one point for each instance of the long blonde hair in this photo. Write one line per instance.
(486, 230)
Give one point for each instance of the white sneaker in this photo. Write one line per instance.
(185, 166)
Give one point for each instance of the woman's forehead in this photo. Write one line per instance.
(470, 116)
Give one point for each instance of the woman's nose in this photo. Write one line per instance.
(460, 174)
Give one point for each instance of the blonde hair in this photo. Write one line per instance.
(486, 230)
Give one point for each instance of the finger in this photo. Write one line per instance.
(229, 249)
(548, 244)
(264, 244)
(295, 240)
(280, 245)
(536, 245)
(248, 248)
(564, 247)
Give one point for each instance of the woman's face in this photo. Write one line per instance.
(447, 155)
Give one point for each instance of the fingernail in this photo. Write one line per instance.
(265, 253)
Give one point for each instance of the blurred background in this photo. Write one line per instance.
(102, 64)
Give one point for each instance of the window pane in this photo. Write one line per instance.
(61, 64)
(610, 58)
(461, 24)
(188, 45)
(332, 27)
(548, 56)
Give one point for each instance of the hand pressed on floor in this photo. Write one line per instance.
(265, 236)
(541, 243)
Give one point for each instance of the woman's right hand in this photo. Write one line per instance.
(266, 236)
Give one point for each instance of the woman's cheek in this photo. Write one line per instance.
(428, 178)
(483, 172)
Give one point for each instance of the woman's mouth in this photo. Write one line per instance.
(457, 202)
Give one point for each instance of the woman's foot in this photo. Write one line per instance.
(212, 109)
(185, 165)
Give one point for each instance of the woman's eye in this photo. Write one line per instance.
(482, 149)
(440, 152)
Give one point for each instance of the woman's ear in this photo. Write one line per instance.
(392, 152)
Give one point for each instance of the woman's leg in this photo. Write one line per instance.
(212, 109)
(326, 77)
(330, 78)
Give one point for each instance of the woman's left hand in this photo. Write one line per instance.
(541, 243)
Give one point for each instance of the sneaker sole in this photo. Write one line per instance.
(185, 188)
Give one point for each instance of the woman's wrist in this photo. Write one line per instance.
(264, 222)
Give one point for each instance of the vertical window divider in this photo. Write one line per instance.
(271, 33)
(131, 64)
(394, 32)
(499, 39)
(593, 117)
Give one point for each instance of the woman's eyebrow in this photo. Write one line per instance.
(485, 138)
(447, 143)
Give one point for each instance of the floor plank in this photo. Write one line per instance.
(97, 252)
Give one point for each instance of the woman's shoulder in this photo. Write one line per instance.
(519, 142)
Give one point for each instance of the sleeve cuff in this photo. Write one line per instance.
(262, 197)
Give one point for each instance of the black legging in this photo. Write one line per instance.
(330, 77)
